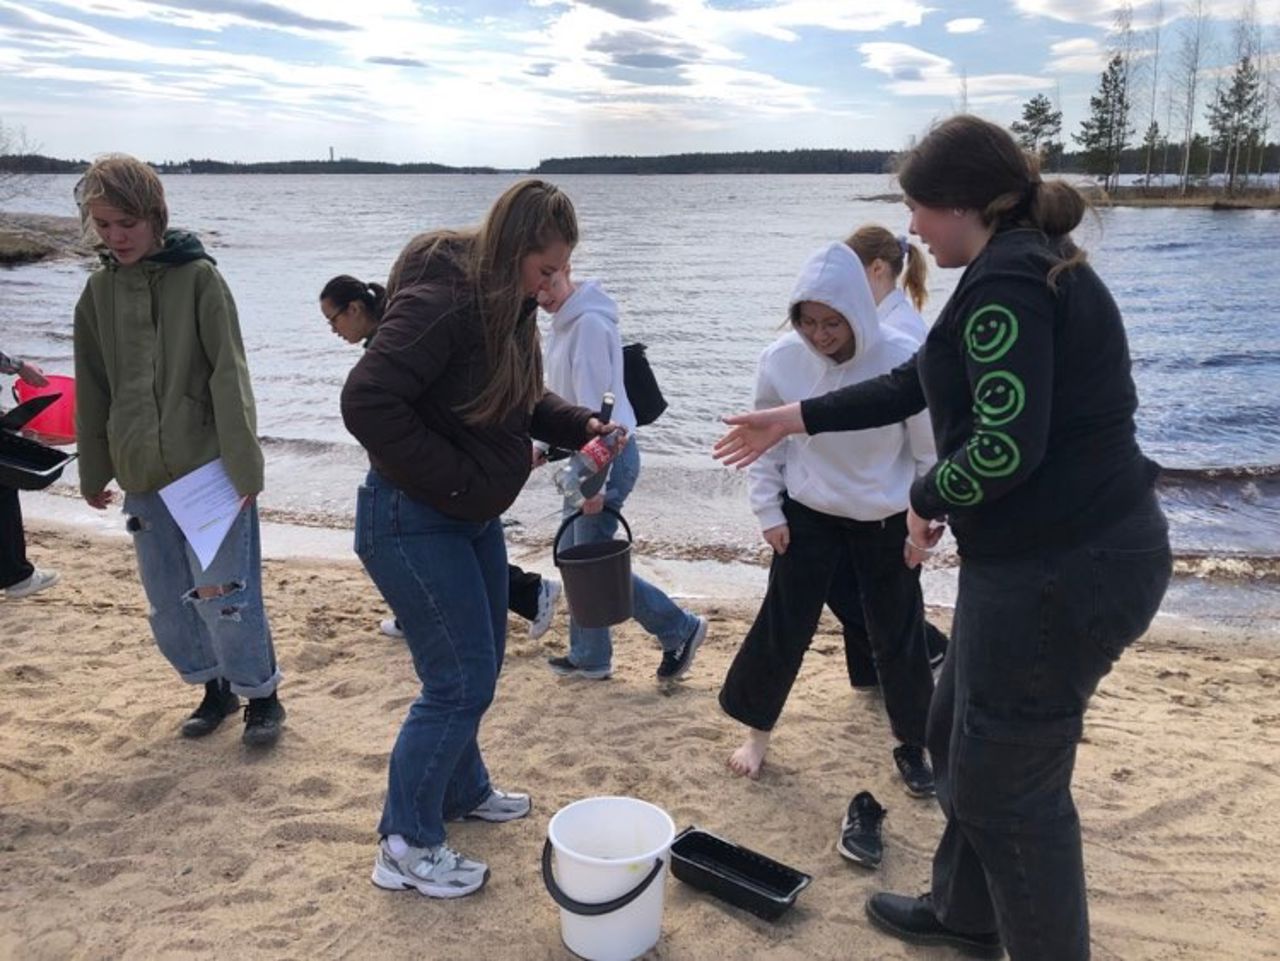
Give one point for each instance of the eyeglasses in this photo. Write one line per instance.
(333, 318)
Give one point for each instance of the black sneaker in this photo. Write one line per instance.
(262, 717)
(677, 663)
(913, 920)
(860, 833)
(915, 770)
(218, 703)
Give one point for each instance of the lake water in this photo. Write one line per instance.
(701, 267)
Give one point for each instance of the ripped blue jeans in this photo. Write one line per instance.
(226, 636)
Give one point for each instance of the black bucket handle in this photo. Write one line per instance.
(581, 907)
(555, 544)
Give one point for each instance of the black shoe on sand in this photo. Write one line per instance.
(218, 703)
(262, 719)
(913, 920)
(860, 832)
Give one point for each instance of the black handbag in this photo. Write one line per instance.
(642, 386)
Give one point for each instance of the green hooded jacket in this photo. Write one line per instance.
(162, 385)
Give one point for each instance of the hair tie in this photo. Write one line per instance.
(904, 244)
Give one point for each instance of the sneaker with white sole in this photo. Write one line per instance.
(548, 597)
(38, 581)
(676, 664)
(391, 628)
(563, 667)
(501, 806)
(438, 872)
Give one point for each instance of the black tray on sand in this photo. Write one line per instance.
(735, 874)
(25, 463)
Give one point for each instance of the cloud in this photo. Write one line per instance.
(965, 25)
(257, 11)
(918, 73)
(397, 61)
(1079, 55)
(641, 10)
(1102, 13)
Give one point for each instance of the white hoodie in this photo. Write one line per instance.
(896, 313)
(865, 475)
(584, 352)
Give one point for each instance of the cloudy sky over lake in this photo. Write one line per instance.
(508, 82)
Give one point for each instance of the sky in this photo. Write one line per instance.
(507, 83)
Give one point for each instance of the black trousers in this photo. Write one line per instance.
(845, 601)
(768, 661)
(1031, 640)
(523, 589)
(14, 567)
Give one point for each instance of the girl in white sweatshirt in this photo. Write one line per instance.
(832, 500)
(583, 361)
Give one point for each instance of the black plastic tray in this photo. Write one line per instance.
(736, 874)
(28, 465)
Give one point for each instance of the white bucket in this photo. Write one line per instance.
(611, 862)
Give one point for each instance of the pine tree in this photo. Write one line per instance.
(1039, 127)
(1105, 132)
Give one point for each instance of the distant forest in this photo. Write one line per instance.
(746, 162)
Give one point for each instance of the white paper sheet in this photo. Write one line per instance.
(204, 504)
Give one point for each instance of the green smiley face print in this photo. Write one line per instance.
(998, 398)
(990, 332)
(957, 486)
(993, 454)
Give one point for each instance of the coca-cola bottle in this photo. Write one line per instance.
(583, 474)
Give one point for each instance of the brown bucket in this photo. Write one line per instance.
(597, 576)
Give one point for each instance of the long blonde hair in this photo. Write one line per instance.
(528, 218)
(873, 242)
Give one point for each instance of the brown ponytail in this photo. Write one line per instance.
(970, 163)
(872, 242)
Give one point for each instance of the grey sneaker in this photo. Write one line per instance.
(548, 596)
(501, 806)
(563, 667)
(676, 663)
(438, 872)
(391, 627)
(38, 581)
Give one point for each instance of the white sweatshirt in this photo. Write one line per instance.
(584, 352)
(896, 313)
(865, 475)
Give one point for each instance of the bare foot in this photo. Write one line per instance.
(747, 760)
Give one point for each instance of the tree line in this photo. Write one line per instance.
(1237, 109)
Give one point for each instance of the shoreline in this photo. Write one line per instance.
(1216, 594)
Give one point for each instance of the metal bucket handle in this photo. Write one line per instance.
(555, 544)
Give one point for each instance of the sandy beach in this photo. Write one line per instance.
(119, 839)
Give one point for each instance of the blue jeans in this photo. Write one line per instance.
(1031, 639)
(591, 647)
(446, 581)
(226, 636)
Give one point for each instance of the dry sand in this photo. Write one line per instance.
(119, 839)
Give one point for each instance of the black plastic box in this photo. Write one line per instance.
(24, 463)
(735, 874)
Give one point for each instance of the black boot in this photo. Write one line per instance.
(218, 703)
(913, 920)
(262, 718)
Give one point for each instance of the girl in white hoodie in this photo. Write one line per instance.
(828, 501)
(583, 361)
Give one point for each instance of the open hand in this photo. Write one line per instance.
(751, 435)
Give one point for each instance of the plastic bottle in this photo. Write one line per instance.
(583, 474)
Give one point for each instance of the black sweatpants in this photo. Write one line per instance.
(523, 589)
(768, 661)
(14, 567)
